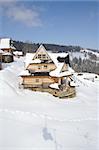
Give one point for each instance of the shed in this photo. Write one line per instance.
(7, 57)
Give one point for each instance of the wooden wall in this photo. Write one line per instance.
(38, 80)
(41, 67)
(7, 58)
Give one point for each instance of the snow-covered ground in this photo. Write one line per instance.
(78, 55)
(38, 121)
(84, 54)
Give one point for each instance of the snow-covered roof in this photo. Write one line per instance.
(18, 53)
(70, 69)
(12, 47)
(24, 73)
(90, 51)
(28, 59)
(54, 86)
(1, 51)
(53, 56)
(7, 53)
(36, 61)
(4, 52)
(5, 43)
(58, 73)
(72, 83)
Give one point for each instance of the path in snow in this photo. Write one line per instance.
(42, 116)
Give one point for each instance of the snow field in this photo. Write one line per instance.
(38, 121)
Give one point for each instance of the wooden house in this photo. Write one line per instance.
(6, 45)
(43, 72)
(7, 57)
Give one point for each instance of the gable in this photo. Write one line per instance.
(42, 54)
(64, 68)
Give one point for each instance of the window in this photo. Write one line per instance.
(45, 66)
(44, 56)
(39, 55)
(37, 80)
(39, 67)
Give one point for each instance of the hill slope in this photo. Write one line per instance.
(38, 121)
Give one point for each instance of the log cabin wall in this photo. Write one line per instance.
(41, 67)
(35, 81)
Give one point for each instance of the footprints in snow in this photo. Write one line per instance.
(42, 116)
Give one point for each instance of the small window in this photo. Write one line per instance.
(39, 67)
(44, 56)
(45, 66)
(39, 55)
(37, 80)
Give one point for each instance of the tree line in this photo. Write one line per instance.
(85, 65)
(79, 65)
(29, 47)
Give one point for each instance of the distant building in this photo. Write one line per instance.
(6, 46)
(18, 53)
(43, 72)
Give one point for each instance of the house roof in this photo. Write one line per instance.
(36, 61)
(4, 53)
(52, 56)
(7, 53)
(28, 59)
(24, 73)
(5, 43)
(59, 73)
(54, 86)
(18, 53)
(42, 50)
(1, 51)
(72, 83)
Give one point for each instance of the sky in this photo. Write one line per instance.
(56, 22)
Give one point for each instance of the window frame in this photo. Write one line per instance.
(37, 80)
(45, 66)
